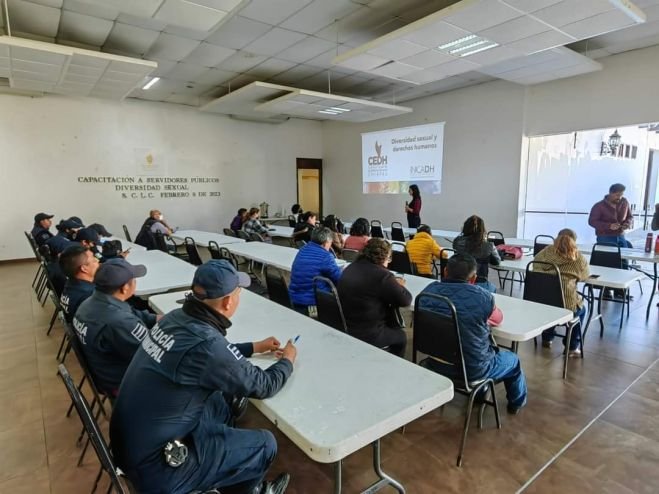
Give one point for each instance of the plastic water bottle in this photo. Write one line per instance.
(648, 243)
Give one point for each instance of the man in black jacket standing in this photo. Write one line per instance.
(170, 428)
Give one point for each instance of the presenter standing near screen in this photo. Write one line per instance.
(413, 208)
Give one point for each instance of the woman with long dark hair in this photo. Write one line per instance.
(473, 241)
(413, 208)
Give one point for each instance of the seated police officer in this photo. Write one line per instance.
(88, 237)
(109, 329)
(41, 229)
(79, 265)
(169, 429)
(66, 229)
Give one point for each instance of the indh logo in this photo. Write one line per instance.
(379, 159)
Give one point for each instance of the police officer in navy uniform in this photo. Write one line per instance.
(41, 230)
(79, 264)
(170, 429)
(109, 329)
(66, 229)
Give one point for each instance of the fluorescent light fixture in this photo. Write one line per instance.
(150, 83)
(631, 10)
(329, 112)
(467, 47)
(451, 44)
(478, 50)
(340, 110)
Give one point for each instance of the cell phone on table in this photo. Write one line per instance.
(594, 276)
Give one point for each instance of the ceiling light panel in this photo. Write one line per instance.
(38, 66)
(484, 33)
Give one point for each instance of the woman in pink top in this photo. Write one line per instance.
(359, 235)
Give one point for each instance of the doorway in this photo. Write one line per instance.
(310, 184)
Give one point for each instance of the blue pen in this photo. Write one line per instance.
(296, 338)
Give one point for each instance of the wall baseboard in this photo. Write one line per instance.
(17, 261)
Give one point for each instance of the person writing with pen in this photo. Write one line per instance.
(172, 425)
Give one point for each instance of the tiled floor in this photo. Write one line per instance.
(617, 453)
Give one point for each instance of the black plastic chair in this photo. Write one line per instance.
(397, 233)
(437, 335)
(376, 229)
(400, 260)
(93, 431)
(276, 285)
(443, 262)
(299, 243)
(292, 221)
(538, 246)
(99, 398)
(256, 237)
(214, 249)
(609, 256)
(546, 287)
(328, 304)
(350, 255)
(229, 232)
(126, 233)
(193, 253)
(167, 244)
(496, 238)
(243, 234)
(33, 245)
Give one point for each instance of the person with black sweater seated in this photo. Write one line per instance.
(369, 292)
(304, 227)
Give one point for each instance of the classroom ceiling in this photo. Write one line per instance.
(207, 48)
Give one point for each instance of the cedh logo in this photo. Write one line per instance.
(379, 159)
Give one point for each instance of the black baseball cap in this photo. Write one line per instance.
(88, 234)
(42, 216)
(115, 273)
(217, 279)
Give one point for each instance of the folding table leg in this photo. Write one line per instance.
(654, 289)
(385, 480)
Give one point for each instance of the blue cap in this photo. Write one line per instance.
(70, 224)
(217, 279)
(115, 273)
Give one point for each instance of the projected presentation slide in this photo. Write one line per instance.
(394, 159)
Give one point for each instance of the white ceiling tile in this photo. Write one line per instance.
(531, 5)
(297, 73)
(209, 55)
(364, 62)
(306, 49)
(598, 24)
(241, 62)
(272, 12)
(84, 29)
(32, 18)
(481, 15)
(270, 68)
(397, 49)
(183, 99)
(164, 66)
(515, 29)
(172, 47)
(443, 71)
(539, 42)
(569, 11)
(131, 38)
(186, 33)
(49, 3)
(274, 41)
(238, 32)
(394, 70)
(140, 8)
(325, 59)
(494, 55)
(427, 59)
(349, 81)
(143, 22)
(93, 9)
(240, 81)
(215, 77)
(186, 72)
(319, 14)
(189, 15)
(436, 35)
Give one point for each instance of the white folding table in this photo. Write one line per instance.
(344, 394)
(164, 272)
(280, 231)
(522, 320)
(275, 255)
(203, 238)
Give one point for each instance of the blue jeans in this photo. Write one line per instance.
(575, 340)
(505, 367)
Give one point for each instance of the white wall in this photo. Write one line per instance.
(481, 170)
(46, 143)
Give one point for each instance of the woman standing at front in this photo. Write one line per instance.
(413, 208)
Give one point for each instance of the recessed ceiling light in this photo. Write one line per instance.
(329, 112)
(479, 49)
(456, 42)
(340, 110)
(150, 83)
